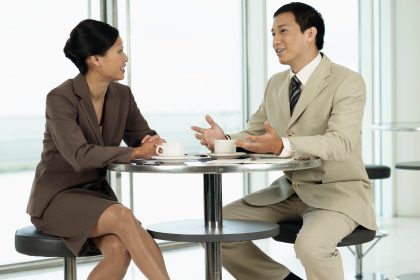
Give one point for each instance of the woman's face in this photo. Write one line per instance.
(114, 62)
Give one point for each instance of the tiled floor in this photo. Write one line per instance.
(394, 255)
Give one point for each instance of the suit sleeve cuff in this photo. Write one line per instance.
(287, 148)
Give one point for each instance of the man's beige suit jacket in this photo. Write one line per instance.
(326, 123)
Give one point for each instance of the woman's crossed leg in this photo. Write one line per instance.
(120, 237)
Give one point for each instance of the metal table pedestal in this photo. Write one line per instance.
(214, 229)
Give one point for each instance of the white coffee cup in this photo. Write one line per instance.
(224, 146)
(171, 149)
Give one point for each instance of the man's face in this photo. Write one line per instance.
(290, 44)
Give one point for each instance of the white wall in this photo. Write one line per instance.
(407, 103)
(390, 61)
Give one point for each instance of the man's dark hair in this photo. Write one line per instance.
(306, 16)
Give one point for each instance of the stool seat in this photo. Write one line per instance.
(289, 230)
(376, 171)
(29, 241)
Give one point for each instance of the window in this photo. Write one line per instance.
(185, 61)
(33, 63)
(341, 40)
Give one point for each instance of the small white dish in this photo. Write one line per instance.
(226, 156)
(175, 158)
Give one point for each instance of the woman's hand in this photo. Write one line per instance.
(147, 148)
(208, 135)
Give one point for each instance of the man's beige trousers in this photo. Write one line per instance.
(315, 245)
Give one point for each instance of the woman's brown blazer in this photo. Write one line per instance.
(75, 150)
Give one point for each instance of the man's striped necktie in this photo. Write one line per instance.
(294, 92)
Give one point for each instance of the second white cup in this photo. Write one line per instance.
(173, 149)
(224, 146)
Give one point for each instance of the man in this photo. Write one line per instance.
(315, 108)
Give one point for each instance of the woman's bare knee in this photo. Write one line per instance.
(114, 219)
(111, 246)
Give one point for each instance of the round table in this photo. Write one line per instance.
(398, 126)
(402, 127)
(408, 165)
(213, 229)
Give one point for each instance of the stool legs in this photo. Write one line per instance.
(70, 268)
(359, 254)
(359, 262)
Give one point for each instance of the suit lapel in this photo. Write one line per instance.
(315, 85)
(284, 98)
(110, 114)
(81, 89)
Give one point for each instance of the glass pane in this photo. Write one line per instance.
(341, 41)
(33, 63)
(186, 62)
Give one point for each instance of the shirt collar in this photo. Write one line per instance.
(304, 74)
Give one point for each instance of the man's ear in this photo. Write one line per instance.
(311, 33)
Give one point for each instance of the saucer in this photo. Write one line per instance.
(263, 155)
(226, 156)
(175, 158)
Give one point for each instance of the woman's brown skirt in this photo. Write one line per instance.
(73, 213)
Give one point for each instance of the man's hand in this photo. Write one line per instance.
(208, 135)
(266, 143)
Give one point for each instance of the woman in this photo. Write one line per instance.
(86, 119)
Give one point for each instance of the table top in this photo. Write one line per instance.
(398, 126)
(408, 165)
(201, 167)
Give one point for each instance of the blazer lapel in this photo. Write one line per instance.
(110, 114)
(284, 98)
(81, 89)
(315, 85)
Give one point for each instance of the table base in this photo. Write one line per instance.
(195, 231)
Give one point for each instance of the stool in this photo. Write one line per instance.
(360, 235)
(29, 241)
(375, 172)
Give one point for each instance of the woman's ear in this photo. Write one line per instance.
(94, 60)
